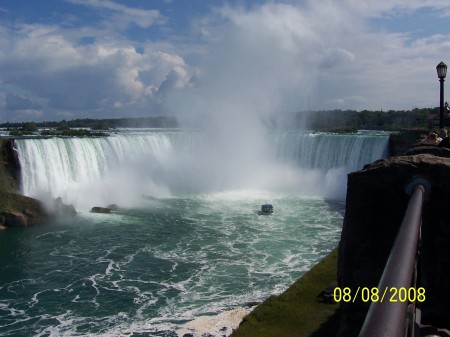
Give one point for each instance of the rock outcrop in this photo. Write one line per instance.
(97, 209)
(19, 211)
(62, 210)
(9, 166)
(434, 150)
(377, 197)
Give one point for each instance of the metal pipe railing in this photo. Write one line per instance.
(385, 318)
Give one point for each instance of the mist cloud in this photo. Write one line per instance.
(265, 61)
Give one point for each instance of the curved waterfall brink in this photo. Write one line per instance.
(124, 167)
(328, 151)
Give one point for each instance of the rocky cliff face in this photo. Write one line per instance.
(17, 210)
(376, 202)
(9, 166)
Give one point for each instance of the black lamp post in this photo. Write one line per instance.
(442, 72)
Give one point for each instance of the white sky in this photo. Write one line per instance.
(66, 59)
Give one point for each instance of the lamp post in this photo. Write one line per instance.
(441, 69)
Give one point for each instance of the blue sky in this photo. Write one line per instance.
(66, 59)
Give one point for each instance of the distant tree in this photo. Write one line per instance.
(63, 125)
(29, 127)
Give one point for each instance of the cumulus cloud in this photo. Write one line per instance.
(240, 62)
(100, 78)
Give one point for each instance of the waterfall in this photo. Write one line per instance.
(77, 168)
(124, 167)
(328, 151)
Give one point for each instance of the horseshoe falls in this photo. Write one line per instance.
(186, 250)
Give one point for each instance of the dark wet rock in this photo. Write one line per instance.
(97, 209)
(15, 210)
(9, 166)
(63, 210)
(15, 219)
(252, 304)
(148, 197)
(19, 211)
(113, 207)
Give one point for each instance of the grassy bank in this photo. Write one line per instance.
(297, 312)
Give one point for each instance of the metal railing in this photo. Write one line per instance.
(386, 318)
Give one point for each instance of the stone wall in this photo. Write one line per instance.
(402, 141)
(376, 202)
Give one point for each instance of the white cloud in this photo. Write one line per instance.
(266, 58)
(269, 59)
(124, 15)
(377, 8)
(336, 57)
(46, 64)
(277, 57)
(346, 101)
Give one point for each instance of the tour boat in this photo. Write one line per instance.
(266, 209)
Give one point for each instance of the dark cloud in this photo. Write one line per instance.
(17, 102)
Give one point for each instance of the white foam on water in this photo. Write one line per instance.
(221, 324)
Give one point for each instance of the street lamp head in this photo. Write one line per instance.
(441, 70)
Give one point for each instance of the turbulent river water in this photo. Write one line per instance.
(186, 250)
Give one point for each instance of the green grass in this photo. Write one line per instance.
(297, 312)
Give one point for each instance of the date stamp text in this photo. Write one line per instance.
(391, 294)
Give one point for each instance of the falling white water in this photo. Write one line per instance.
(123, 168)
(328, 151)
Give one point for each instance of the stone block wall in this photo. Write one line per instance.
(376, 202)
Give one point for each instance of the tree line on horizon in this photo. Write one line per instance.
(326, 120)
(371, 120)
(97, 124)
